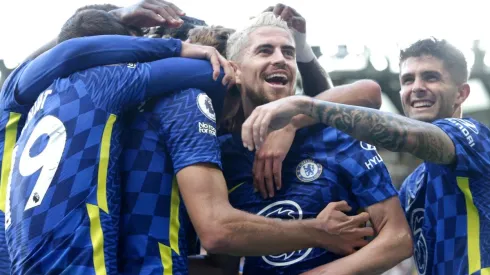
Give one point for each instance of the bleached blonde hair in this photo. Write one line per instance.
(239, 40)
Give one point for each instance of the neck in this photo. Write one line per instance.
(248, 105)
(458, 113)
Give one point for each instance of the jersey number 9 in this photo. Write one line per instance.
(47, 160)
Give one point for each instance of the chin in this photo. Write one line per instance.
(425, 117)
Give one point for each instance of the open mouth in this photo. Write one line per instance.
(277, 79)
(422, 104)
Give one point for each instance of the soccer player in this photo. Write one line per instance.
(444, 198)
(324, 165)
(178, 133)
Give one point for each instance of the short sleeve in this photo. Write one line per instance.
(188, 128)
(472, 145)
(364, 169)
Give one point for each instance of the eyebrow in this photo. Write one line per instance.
(270, 46)
(423, 74)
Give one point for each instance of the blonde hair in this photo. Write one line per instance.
(238, 41)
(214, 36)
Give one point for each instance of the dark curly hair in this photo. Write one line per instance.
(452, 58)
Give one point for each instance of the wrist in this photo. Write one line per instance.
(304, 53)
(316, 232)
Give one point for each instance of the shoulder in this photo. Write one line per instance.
(7, 94)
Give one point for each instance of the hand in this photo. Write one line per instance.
(268, 160)
(272, 116)
(297, 24)
(290, 15)
(347, 233)
(216, 59)
(150, 13)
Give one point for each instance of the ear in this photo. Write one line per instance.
(463, 93)
(238, 73)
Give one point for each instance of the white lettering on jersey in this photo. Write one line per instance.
(38, 105)
(205, 128)
(463, 126)
(373, 162)
(367, 146)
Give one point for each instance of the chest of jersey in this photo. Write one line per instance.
(309, 184)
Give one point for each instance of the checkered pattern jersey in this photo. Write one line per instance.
(324, 165)
(168, 135)
(62, 206)
(448, 206)
(12, 119)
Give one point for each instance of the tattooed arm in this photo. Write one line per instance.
(393, 132)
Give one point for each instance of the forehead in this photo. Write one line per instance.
(271, 35)
(424, 63)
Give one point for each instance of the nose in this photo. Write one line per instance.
(418, 87)
(278, 58)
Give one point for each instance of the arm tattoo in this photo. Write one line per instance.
(393, 132)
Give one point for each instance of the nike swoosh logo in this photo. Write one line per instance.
(235, 187)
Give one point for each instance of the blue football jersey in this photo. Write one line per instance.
(448, 206)
(167, 135)
(12, 119)
(63, 197)
(323, 165)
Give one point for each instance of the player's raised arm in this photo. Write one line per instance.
(82, 53)
(391, 131)
(268, 159)
(315, 78)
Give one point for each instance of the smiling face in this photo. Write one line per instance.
(267, 67)
(428, 91)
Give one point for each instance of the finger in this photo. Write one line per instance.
(264, 126)
(256, 130)
(286, 14)
(259, 177)
(161, 11)
(174, 15)
(213, 58)
(360, 219)
(228, 69)
(247, 131)
(151, 14)
(349, 251)
(342, 206)
(278, 9)
(364, 231)
(268, 176)
(277, 172)
(360, 243)
(177, 10)
(254, 169)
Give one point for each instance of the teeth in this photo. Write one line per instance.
(283, 76)
(419, 104)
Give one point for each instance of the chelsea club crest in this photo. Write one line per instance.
(308, 170)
